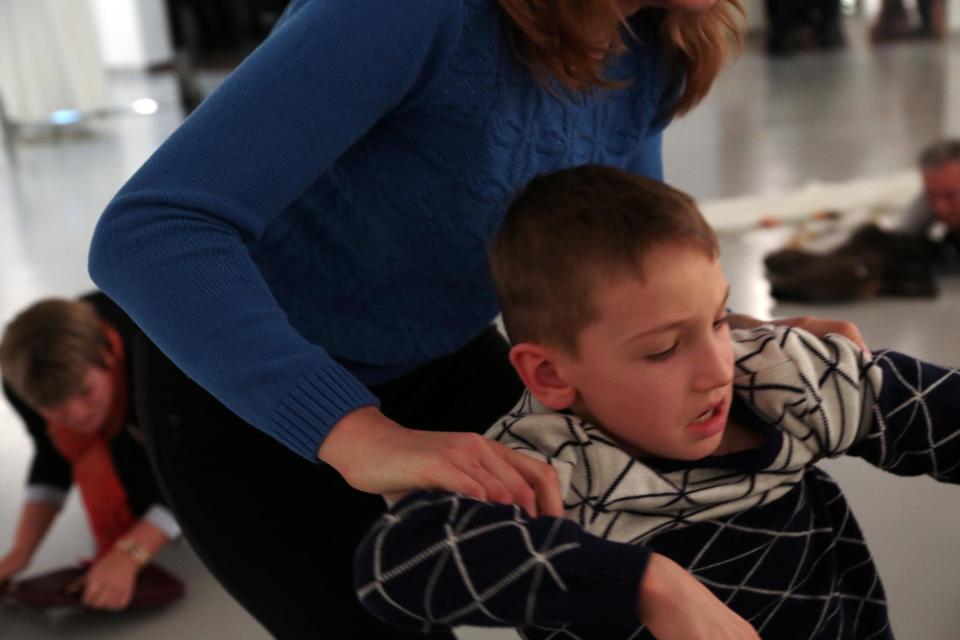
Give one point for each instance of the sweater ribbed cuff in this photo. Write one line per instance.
(305, 416)
(603, 581)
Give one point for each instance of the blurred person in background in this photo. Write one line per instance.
(67, 371)
(793, 25)
(894, 22)
(936, 211)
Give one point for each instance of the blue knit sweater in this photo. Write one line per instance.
(319, 223)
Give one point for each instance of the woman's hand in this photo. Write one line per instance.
(676, 606)
(376, 455)
(822, 326)
(110, 582)
(817, 326)
(13, 563)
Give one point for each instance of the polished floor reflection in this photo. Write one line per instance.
(769, 126)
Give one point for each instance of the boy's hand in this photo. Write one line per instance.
(110, 582)
(676, 606)
(376, 455)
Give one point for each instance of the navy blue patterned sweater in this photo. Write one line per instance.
(319, 224)
(765, 529)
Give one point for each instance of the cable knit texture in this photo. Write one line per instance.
(319, 223)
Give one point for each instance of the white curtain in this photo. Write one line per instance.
(49, 58)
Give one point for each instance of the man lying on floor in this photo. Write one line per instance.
(936, 212)
(878, 262)
(674, 440)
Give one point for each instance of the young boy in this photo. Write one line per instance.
(68, 371)
(670, 435)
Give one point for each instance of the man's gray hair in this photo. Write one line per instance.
(940, 153)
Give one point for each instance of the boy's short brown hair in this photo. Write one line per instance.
(569, 229)
(47, 349)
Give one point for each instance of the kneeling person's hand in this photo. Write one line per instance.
(111, 581)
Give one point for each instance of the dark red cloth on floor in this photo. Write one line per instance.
(155, 587)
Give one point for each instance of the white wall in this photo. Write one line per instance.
(951, 89)
(133, 33)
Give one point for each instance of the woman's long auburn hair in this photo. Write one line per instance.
(558, 39)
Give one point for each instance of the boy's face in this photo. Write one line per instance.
(655, 369)
(85, 411)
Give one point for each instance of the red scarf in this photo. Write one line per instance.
(104, 497)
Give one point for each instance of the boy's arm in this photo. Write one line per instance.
(916, 426)
(438, 559)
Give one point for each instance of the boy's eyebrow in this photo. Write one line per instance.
(673, 325)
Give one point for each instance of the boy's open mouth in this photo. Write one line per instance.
(709, 413)
(710, 422)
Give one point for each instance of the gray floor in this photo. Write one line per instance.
(769, 125)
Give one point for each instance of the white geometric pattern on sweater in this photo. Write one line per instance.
(797, 567)
(818, 392)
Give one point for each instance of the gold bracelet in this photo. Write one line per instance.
(136, 551)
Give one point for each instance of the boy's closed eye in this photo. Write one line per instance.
(660, 356)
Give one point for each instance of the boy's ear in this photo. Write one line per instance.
(536, 366)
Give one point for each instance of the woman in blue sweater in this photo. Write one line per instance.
(308, 248)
